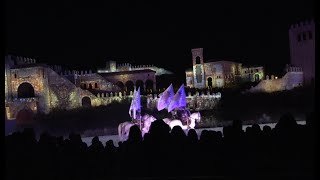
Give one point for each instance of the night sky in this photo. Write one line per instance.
(84, 34)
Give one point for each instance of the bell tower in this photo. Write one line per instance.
(198, 68)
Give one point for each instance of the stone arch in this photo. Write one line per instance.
(139, 83)
(209, 82)
(120, 85)
(256, 77)
(90, 86)
(86, 101)
(149, 85)
(24, 116)
(25, 90)
(198, 60)
(129, 86)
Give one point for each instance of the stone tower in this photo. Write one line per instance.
(111, 66)
(302, 48)
(198, 68)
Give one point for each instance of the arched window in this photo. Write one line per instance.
(84, 86)
(197, 60)
(129, 86)
(90, 86)
(209, 82)
(15, 75)
(95, 85)
(86, 102)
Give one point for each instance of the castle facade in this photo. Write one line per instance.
(219, 73)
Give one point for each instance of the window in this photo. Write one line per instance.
(197, 60)
(304, 36)
(245, 71)
(299, 37)
(310, 34)
(251, 71)
(257, 70)
(15, 75)
(95, 85)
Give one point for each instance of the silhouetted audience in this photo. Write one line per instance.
(286, 150)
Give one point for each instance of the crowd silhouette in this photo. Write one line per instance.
(288, 150)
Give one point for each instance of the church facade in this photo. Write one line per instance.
(219, 73)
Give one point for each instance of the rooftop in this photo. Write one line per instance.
(128, 72)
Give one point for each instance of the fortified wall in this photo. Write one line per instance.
(293, 78)
(195, 102)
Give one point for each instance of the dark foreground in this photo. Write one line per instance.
(287, 151)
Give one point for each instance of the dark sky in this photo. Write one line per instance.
(85, 34)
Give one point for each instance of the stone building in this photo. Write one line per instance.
(302, 48)
(302, 68)
(128, 77)
(32, 88)
(218, 73)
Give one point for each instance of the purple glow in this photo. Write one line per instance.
(165, 98)
(179, 99)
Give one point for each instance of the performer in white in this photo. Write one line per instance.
(144, 122)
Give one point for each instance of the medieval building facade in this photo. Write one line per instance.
(218, 73)
(31, 87)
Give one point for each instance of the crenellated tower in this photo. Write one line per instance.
(302, 48)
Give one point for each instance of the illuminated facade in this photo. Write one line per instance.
(219, 73)
(293, 78)
(38, 88)
(128, 77)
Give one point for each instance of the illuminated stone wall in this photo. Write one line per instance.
(252, 74)
(133, 76)
(94, 78)
(195, 102)
(218, 73)
(36, 76)
(293, 78)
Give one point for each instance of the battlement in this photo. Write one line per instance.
(302, 24)
(127, 67)
(19, 60)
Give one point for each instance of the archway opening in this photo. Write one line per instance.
(90, 86)
(86, 102)
(129, 86)
(197, 60)
(120, 85)
(209, 82)
(149, 85)
(256, 77)
(139, 83)
(25, 90)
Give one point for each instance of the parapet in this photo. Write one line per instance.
(302, 24)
